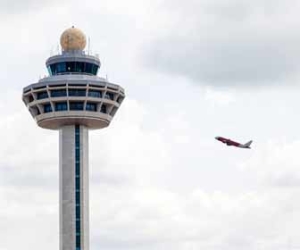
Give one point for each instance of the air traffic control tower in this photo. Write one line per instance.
(73, 99)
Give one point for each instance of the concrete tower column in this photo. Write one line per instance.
(74, 188)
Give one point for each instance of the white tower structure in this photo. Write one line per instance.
(73, 99)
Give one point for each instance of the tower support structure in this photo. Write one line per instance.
(74, 187)
(73, 100)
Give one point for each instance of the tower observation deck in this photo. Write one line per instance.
(73, 99)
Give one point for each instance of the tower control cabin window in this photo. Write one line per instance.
(76, 105)
(73, 67)
(103, 108)
(109, 96)
(47, 108)
(91, 106)
(58, 93)
(42, 95)
(95, 93)
(77, 92)
(61, 106)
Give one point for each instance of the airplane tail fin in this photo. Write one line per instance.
(248, 144)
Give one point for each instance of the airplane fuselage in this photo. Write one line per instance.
(229, 142)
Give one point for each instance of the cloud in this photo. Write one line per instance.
(129, 209)
(228, 43)
(276, 164)
(218, 97)
(149, 218)
(32, 214)
(21, 6)
(129, 152)
(24, 159)
(158, 178)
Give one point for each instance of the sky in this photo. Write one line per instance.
(192, 70)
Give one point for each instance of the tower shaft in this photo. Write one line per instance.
(74, 188)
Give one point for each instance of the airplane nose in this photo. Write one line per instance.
(217, 137)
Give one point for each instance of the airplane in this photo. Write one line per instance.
(229, 142)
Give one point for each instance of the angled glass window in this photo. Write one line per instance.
(88, 68)
(109, 96)
(34, 111)
(47, 108)
(91, 106)
(61, 67)
(79, 67)
(77, 92)
(42, 95)
(119, 99)
(103, 108)
(73, 67)
(95, 69)
(57, 68)
(58, 93)
(30, 97)
(76, 105)
(95, 93)
(49, 70)
(70, 66)
(52, 69)
(61, 106)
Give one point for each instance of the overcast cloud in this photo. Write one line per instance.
(159, 179)
(24, 6)
(229, 42)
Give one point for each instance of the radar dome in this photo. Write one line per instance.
(72, 39)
